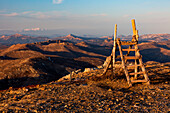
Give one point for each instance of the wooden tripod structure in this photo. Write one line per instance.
(139, 74)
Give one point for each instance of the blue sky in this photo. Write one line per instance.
(86, 16)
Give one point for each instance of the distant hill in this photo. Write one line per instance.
(72, 37)
(148, 37)
(20, 39)
(104, 41)
(26, 64)
(44, 61)
(155, 37)
(155, 51)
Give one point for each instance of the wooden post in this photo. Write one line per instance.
(113, 57)
(114, 46)
(134, 27)
(115, 34)
(137, 36)
(136, 68)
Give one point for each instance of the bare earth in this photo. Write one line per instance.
(91, 95)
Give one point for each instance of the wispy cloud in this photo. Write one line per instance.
(26, 12)
(10, 14)
(103, 14)
(39, 15)
(57, 1)
(51, 15)
(126, 16)
(36, 15)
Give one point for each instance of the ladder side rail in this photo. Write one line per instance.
(123, 63)
(144, 70)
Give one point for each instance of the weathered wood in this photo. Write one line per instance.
(128, 49)
(138, 57)
(145, 74)
(107, 67)
(134, 26)
(133, 66)
(113, 55)
(136, 73)
(135, 81)
(128, 43)
(136, 62)
(132, 57)
(137, 35)
(114, 49)
(123, 63)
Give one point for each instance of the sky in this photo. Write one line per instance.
(93, 17)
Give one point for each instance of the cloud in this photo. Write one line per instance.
(33, 29)
(126, 16)
(57, 1)
(10, 14)
(39, 15)
(26, 12)
(99, 14)
(51, 15)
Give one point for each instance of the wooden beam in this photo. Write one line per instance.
(137, 35)
(136, 73)
(134, 27)
(133, 66)
(135, 81)
(115, 33)
(128, 43)
(128, 49)
(114, 46)
(132, 57)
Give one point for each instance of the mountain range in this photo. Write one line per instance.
(27, 60)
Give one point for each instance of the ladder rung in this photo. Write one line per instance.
(128, 43)
(132, 57)
(136, 73)
(118, 56)
(135, 81)
(128, 49)
(134, 65)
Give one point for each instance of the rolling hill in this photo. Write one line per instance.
(36, 63)
(21, 39)
(41, 62)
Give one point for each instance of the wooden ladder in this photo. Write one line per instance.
(139, 74)
(138, 67)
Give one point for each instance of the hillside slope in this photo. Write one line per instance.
(36, 63)
(49, 60)
(106, 95)
(20, 39)
(155, 51)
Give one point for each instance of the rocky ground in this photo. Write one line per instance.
(87, 94)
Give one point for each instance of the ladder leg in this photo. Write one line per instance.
(107, 67)
(143, 69)
(136, 70)
(123, 64)
(111, 63)
(114, 59)
(136, 61)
